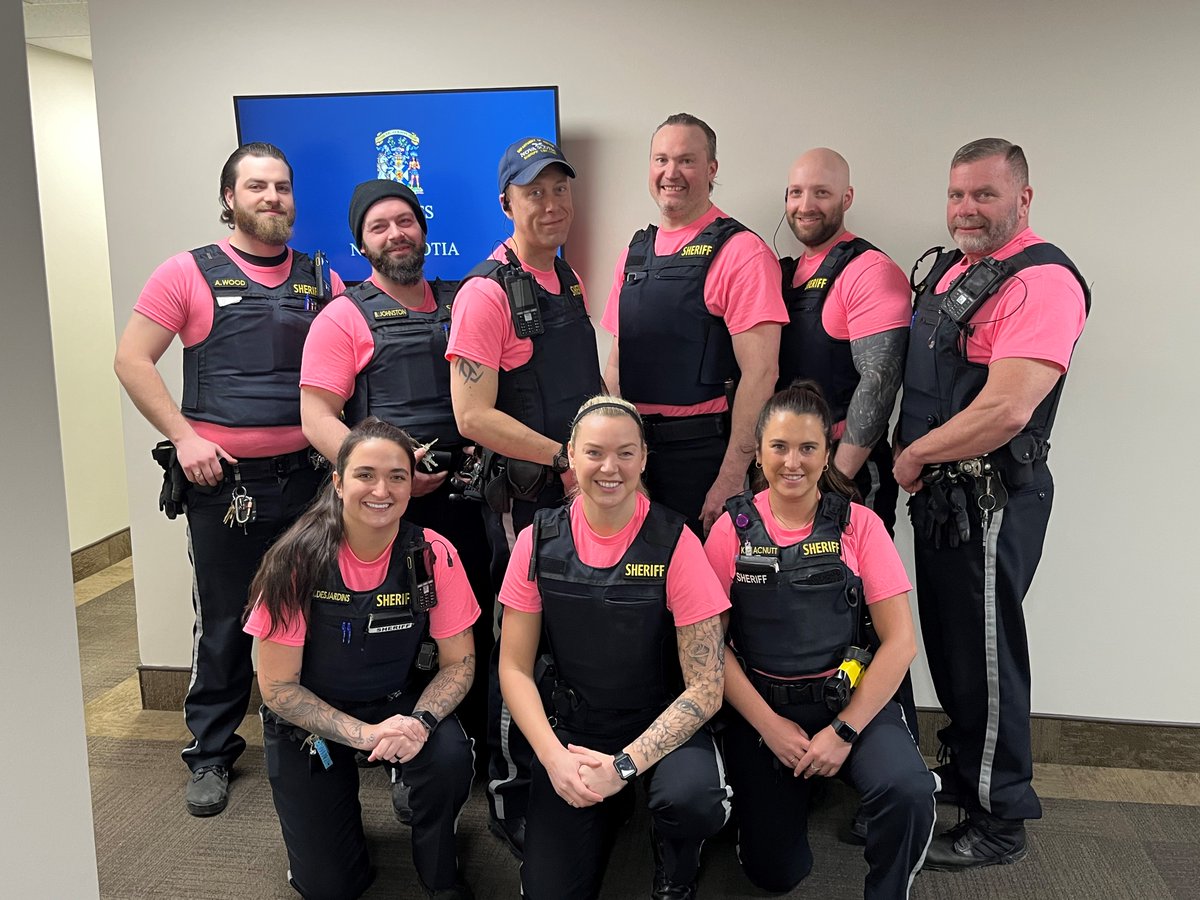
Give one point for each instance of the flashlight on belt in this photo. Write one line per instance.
(840, 684)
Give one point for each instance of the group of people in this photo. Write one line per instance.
(478, 451)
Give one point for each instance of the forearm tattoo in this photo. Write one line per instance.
(442, 695)
(879, 360)
(702, 658)
(470, 372)
(302, 707)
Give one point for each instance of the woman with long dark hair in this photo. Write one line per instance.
(352, 607)
(630, 614)
(803, 564)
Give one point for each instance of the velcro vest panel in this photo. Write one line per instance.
(806, 349)
(545, 393)
(799, 620)
(246, 373)
(407, 381)
(673, 350)
(939, 380)
(609, 630)
(341, 659)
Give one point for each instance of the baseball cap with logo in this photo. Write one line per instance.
(524, 160)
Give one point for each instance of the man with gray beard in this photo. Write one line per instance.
(379, 350)
(236, 458)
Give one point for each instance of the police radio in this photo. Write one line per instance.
(321, 266)
(522, 301)
(419, 560)
(970, 289)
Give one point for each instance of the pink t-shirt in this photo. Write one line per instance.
(339, 344)
(742, 287)
(692, 594)
(866, 548)
(1037, 314)
(872, 294)
(177, 297)
(456, 608)
(481, 327)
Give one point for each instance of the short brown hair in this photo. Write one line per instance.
(229, 170)
(986, 147)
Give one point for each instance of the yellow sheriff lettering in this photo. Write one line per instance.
(382, 600)
(576, 291)
(814, 283)
(645, 570)
(697, 250)
(309, 289)
(819, 547)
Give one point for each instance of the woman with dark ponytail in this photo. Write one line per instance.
(364, 627)
(802, 564)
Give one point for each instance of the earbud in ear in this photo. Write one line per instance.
(504, 203)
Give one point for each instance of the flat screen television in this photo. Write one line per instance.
(445, 145)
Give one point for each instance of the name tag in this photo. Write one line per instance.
(228, 301)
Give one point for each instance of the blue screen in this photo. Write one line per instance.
(445, 145)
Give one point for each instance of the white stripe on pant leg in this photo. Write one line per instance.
(873, 471)
(937, 786)
(198, 631)
(991, 538)
(725, 804)
(510, 765)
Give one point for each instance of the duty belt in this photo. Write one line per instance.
(275, 466)
(788, 693)
(669, 429)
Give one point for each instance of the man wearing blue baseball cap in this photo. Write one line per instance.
(523, 358)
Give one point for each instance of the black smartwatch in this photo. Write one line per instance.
(844, 731)
(625, 766)
(426, 718)
(559, 463)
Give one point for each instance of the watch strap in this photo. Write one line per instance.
(625, 766)
(426, 718)
(845, 731)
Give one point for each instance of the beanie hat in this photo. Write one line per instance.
(371, 192)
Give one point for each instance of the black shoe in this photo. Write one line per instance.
(207, 792)
(511, 833)
(976, 842)
(400, 802)
(952, 790)
(856, 832)
(664, 889)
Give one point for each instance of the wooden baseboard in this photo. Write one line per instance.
(1095, 742)
(99, 556)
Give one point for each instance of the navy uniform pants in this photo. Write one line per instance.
(681, 470)
(224, 561)
(970, 599)
(510, 757)
(771, 803)
(321, 817)
(566, 849)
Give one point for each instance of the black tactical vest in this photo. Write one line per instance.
(806, 349)
(939, 381)
(407, 381)
(673, 350)
(246, 373)
(545, 393)
(798, 618)
(361, 645)
(609, 630)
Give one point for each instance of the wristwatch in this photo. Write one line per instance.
(844, 731)
(625, 766)
(426, 718)
(559, 463)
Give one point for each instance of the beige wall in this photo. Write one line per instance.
(81, 312)
(1103, 99)
(47, 849)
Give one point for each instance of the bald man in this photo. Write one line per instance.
(849, 311)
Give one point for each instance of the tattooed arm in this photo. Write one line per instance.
(879, 359)
(456, 671)
(473, 388)
(702, 658)
(279, 682)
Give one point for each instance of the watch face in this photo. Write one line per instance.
(624, 766)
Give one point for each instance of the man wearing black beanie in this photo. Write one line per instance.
(379, 350)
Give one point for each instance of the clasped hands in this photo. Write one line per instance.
(396, 740)
(823, 754)
(581, 776)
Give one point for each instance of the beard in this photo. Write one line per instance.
(407, 269)
(273, 230)
(995, 234)
(825, 229)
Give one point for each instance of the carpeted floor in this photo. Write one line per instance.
(147, 846)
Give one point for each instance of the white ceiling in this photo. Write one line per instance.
(59, 25)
